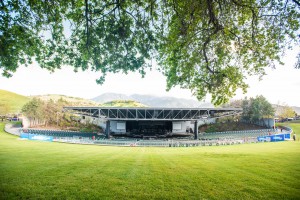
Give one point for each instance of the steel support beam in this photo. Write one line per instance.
(107, 129)
(196, 130)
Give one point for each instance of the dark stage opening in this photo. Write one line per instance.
(149, 128)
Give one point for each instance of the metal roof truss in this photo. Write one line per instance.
(160, 114)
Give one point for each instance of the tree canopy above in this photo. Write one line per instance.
(207, 46)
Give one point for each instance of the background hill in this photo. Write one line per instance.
(296, 109)
(11, 102)
(75, 101)
(123, 103)
(106, 97)
(153, 101)
(278, 108)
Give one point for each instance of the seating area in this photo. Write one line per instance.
(205, 139)
(237, 134)
(62, 133)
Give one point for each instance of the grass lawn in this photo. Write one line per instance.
(44, 170)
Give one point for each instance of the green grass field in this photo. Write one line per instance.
(44, 170)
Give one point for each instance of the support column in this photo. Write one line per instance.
(196, 130)
(107, 129)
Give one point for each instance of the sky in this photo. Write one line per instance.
(280, 85)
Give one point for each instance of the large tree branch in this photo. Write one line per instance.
(87, 24)
(217, 27)
(296, 2)
(2, 3)
(207, 41)
(98, 11)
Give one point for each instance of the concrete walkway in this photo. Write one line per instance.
(12, 129)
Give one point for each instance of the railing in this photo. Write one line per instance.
(146, 143)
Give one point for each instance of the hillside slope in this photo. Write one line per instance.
(11, 102)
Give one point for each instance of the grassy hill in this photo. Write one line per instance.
(45, 170)
(76, 101)
(123, 103)
(11, 102)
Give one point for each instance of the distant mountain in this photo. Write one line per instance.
(11, 102)
(75, 101)
(278, 109)
(153, 101)
(296, 109)
(170, 102)
(106, 97)
(122, 103)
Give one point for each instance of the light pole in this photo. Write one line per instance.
(57, 119)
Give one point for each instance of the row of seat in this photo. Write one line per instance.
(60, 133)
(237, 134)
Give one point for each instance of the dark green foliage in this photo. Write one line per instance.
(257, 108)
(207, 46)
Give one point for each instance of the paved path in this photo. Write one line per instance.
(12, 129)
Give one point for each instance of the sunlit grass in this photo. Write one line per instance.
(35, 170)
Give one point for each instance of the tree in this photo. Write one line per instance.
(247, 112)
(286, 111)
(50, 113)
(256, 109)
(207, 46)
(34, 111)
(4, 109)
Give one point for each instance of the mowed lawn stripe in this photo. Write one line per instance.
(32, 169)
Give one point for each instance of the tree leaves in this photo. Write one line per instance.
(255, 109)
(207, 46)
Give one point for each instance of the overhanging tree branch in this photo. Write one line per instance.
(87, 25)
(296, 2)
